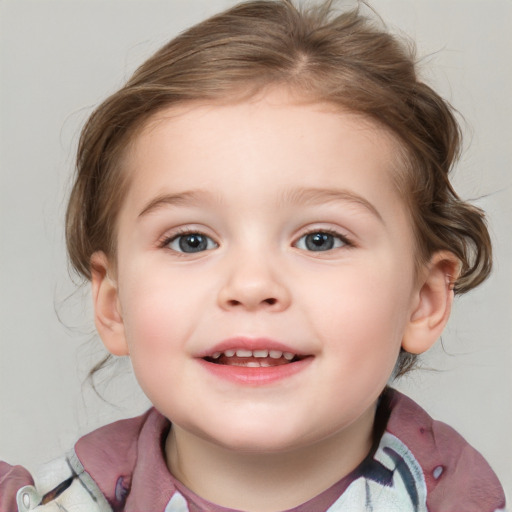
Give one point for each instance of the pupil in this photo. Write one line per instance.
(319, 242)
(192, 243)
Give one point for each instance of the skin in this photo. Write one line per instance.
(255, 178)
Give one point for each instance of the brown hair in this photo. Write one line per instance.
(344, 59)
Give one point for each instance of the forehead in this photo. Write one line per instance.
(269, 142)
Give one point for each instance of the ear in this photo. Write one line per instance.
(433, 303)
(107, 312)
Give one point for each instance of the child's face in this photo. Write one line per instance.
(264, 226)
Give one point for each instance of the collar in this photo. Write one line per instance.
(416, 462)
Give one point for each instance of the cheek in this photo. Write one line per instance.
(363, 311)
(151, 308)
(154, 333)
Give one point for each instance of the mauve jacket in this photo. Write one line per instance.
(417, 464)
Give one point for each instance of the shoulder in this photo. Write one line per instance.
(456, 476)
(12, 478)
(59, 485)
(66, 483)
(59, 488)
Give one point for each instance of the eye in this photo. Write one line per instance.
(321, 241)
(191, 243)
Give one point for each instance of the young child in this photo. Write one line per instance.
(265, 216)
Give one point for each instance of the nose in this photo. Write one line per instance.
(251, 284)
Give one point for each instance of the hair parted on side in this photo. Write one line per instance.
(346, 59)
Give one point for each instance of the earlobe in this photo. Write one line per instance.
(107, 315)
(433, 303)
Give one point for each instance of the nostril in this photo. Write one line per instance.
(235, 303)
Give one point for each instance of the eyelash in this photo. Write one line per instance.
(347, 243)
(181, 232)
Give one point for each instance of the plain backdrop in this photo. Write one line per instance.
(60, 58)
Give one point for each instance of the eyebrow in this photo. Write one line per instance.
(181, 199)
(314, 196)
(302, 196)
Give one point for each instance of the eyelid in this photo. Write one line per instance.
(346, 239)
(171, 235)
(175, 233)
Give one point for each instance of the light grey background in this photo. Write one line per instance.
(60, 58)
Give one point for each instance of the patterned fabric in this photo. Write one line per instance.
(416, 465)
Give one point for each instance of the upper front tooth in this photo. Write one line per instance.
(262, 353)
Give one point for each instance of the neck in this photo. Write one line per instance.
(266, 482)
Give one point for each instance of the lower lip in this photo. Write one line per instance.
(256, 376)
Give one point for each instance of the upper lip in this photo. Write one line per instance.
(250, 344)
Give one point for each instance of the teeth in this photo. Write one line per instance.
(256, 364)
(261, 354)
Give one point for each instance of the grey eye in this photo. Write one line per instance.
(320, 241)
(192, 242)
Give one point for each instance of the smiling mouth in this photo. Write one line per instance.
(253, 358)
